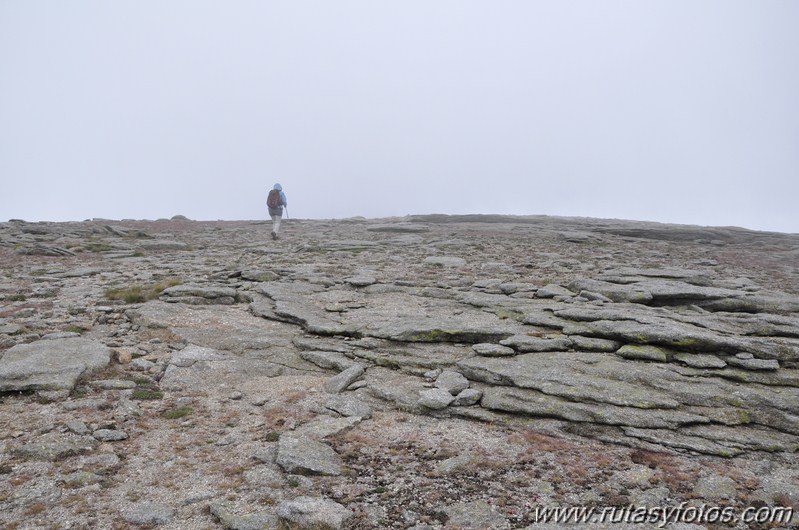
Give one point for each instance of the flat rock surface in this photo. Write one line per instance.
(426, 371)
(51, 364)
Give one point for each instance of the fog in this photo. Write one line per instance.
(670, 111)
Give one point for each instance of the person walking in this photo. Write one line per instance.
(276, 201)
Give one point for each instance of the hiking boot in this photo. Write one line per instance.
(274, 235)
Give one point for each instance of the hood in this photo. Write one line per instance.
(277, 187)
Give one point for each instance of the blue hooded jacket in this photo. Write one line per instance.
(283, 200)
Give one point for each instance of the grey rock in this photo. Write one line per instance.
(142, 365)
(114, 384)
(328, 359)
(682, 440)
(362, 280)
(754, 303)
(775, 490)
(552, 290)
(77, 427)
(614, 292)
(110, 435)
(85, 403)
(199, 294)
(445, 261)
(148, 513)
(435, 399)
(665, 291)
(259, 275)
(266, 454)
(753, 364)
(578, 386)
(493, 350)
(399, 389)
(410, 228)
(349, 406)
(339, 383)
(324, 426)
(694, 276)
(475, 514)
(79, 479)
(698, 360)
(126, 409)
(715, 487)
(637, 476)
(453, 465)
(259, 401)
(651, 497)
(431, 375)
(300, 481)
(452, 382)
(265, 475)
(51, 364)
(45, 250)
(192, 354)
(61, 335)
(527, 343)
(305, 456)
(467, 397)
(645, 353)
(159, 245)
(536, 404)
(52, 447)
(594, 344)
(102, 463)
(11, 329)
(314, 512)
(590, 295)
(433, 330)
(661, 331)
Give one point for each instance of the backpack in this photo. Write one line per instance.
(273, 200)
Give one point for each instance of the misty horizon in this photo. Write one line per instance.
(664, 112)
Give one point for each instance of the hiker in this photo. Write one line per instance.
(276, 201)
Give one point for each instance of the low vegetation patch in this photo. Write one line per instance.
(174, 414)
(147, 394)
(272, 436)
(98, 247)
(140, 293)
(146, 390)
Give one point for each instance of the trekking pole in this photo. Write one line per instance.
(287, 212)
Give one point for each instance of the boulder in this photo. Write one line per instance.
(339, 383)
(452, 382)
(231, 520)
(435, 399)
(51, 364)
(313, 512)
(305, 456)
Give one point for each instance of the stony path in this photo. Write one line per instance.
(422, 372)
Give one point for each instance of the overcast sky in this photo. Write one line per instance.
(683, 111)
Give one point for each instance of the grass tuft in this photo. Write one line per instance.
(136, 294)
(147, 394)
(174, 414)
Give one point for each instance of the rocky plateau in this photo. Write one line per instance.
(419, 372)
